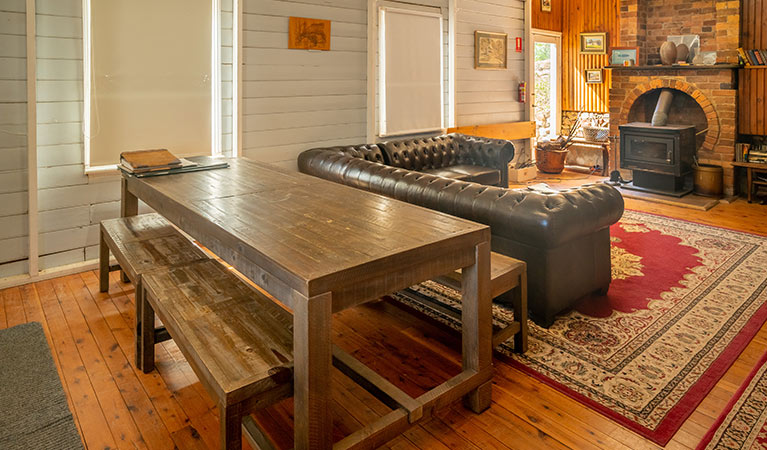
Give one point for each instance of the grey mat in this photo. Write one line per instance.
(33, 407)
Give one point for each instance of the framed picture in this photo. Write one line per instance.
(546, 5)
(308, 34)
(489, 50)
(594, 43)
(624, 56)
(594, 76)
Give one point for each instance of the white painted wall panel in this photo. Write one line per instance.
(294, 100)
(14, 243)
(488, 96)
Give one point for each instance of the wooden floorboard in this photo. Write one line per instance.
(116, 406)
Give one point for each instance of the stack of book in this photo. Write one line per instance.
(754, 153)
(143, 161)
(752, 57)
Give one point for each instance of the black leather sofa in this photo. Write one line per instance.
(563, 237)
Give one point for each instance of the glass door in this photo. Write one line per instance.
(546, 89)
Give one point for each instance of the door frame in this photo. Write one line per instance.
(552, 37)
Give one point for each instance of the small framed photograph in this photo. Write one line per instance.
(489, 50)
(624, 56)
(594, 43)
(594, 76)
(546, 5)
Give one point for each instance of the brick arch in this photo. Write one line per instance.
(712, 136)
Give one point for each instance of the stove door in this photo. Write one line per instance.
(655, 153)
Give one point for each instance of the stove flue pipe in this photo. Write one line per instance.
(660, 116)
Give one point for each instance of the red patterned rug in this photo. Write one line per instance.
(685, 300)
(743, 424)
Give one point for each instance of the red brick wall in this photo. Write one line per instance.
(713, 89)
(647, 24)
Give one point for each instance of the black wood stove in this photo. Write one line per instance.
(661, 157)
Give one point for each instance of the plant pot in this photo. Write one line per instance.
(550, 161)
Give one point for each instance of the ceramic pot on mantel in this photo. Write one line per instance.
(668, 53)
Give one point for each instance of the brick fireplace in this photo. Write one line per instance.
(704, 96)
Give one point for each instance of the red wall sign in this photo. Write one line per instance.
(519, 44)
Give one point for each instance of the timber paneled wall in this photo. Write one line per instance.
(488, 96)
(752, 95)
(14, 246)
(293, 100)
(70, 204)
(582, 16)
(226, 76)
(548, 20)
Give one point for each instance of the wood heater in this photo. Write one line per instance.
(661, 157)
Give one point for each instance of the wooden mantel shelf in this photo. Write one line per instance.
(689, 67)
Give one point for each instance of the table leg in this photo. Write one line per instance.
(520, 313)
(749, 181)
(230, 421)
(312, 356)
(477, 324)
(128, 207)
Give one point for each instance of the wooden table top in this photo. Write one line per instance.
(313, 234)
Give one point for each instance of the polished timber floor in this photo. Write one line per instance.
(116, 406)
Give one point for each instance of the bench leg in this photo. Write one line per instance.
(230, 421)
(144, 331)
(519, 306)
(103, 263)
(128, 208)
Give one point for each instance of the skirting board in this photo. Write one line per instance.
(47, 274)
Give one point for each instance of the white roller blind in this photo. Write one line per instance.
(151, 82)
(410, 72)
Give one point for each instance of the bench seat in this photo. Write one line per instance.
(237, 340)
(141, 244)
(508, 284)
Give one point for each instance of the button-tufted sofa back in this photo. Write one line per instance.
(423, 153)
(447, 150)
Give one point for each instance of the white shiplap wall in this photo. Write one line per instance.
(298, 99)
(226, 76)
(292, 100)
(14, 244)
(70, 203)
(488, 96)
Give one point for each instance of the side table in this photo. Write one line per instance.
(752, 182)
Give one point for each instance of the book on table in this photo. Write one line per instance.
(141, 161)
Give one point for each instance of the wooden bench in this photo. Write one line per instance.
(508, 284)
(141, 244)
(237, 341)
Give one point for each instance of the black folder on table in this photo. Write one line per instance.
(203, 163)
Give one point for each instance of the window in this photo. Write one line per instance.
(410, 71)
(152, 78)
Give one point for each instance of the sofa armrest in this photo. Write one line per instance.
(480, 151)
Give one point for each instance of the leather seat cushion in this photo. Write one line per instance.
(445, 172)
(478, 174)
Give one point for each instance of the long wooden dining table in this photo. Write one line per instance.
(320, 247)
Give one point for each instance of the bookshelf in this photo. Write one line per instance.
(752, 80)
